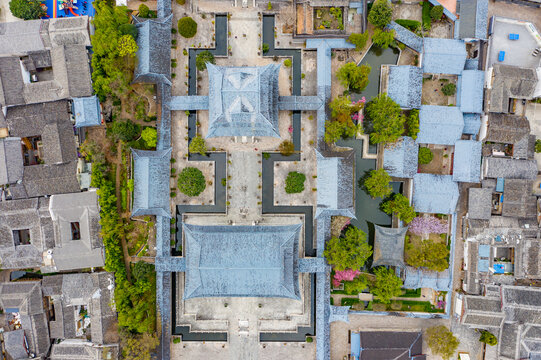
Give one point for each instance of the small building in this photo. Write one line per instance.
(151, 185)
(154, 51)
(400, 159)
(512, 131)
(335, 184)
(443, 56)
(473, 20)
(243, 101)
(268, 266)
(470, 91)
(60, 233)
(500, 167)
(479, 203)
(439, 125)
(418, 278)
(26, 320)
(518, 199)
(467, 161)
(405, 85)
(389, 246)
(87, 111)
(11, 160)
(509, 83)
(377, 345)
(435, 194)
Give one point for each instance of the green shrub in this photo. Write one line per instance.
(265, 48)
(181, 2)
(128, 29)
(427, 20)
(412, 25)
(448, 89)
(144, 11)
(309, 338)
(191, 181)
(295, 182)
(203, 58)
(412, 122)
(488, 338)
(425, 155)
(150, 136)
(286, 148)
(359, 40)
(381, 13)
(177, 339)
(436, 13)
(269, 6)
(538, 146)
(197, 145)
(187, 27)
(125, 130)
(26, 9)
(224, 181)
(287, 62)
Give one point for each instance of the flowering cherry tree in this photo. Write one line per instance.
(346, 275)
(428, 225)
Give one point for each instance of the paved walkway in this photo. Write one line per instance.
(5, 14)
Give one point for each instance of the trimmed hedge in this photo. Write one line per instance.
(295, 182)
(412, 25)
(425, 155)
(187, 27)
(191, 181)
(427, 20)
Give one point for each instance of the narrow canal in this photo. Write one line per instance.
(367, 209)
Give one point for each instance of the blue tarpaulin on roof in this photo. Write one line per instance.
(499, 184)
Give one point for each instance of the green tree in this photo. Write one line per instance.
(538, 146)
(128, 29)
(442, 341)
(448, 89)
(377, 183)
(400, 206)
(354, 77)
(125, 130)
(197, 145)
(203, 58)
(286, 148)
(436, 12)
(26, 9)
(383, 38)
(187, 27)
(381, 13)
(127, 45)
(349, 251)
(295, 182)
(488, 338)
(138, 347)
(359, 40)
(387, 285)
(431, 255)
(383, 120)
(150, 136)
(425, 155)
(334, 130)
(412, 123)
(357, 285)
(191, 181)
(144, 11)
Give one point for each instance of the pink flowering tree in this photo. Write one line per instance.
(346, 275)
(428, 225)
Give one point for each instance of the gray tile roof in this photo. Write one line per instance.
(87, 111)
(68, 31)
(75, 350)
(440, 125)
(11, 81)
(400, 159)
(436, 194)
(73, 71)
(335, 184)
(406, 37)
(20, 37)
(443, 56)
(479, 203)
(243, 101)
(11, 160)
(405, 85)
(518, 200)
(154, 53)
(467, 161)
(389, 246)
(82, 208)
(507, 128)
(41, 180)
(14, 344)
(473, 19)
(384, 345)
(498, 167)
(510, 82)
(151, 176)
(214, 267)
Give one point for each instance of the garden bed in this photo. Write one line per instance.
(404, 306)
(328, 18)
